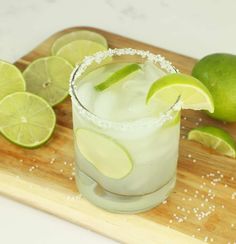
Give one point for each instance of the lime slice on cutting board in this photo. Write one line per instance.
(192, 93)
(26, 119)
(48, 78)
(11, 79)
(78, 35)
(76, 51)
(117, 76)
(108, 156)
(215, 138)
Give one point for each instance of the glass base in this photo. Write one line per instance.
(120, 203)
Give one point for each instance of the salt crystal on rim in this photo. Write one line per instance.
(206, 238)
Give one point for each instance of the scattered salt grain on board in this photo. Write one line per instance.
(52, 161)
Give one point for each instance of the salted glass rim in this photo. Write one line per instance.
(105, 123)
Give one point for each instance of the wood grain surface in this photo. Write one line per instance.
(201, 208)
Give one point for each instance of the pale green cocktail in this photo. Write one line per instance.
(126, 150)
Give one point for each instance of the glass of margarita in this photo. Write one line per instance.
(126, 149)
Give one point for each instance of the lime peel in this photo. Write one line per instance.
(217, 72)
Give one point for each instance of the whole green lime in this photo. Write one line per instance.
(218, 73)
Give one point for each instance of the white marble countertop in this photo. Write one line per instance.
(194, 28)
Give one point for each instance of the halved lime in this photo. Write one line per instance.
(193, 94)
(49, 78)
(117, 76)
(215, 138)
(11, 79)
(107, 155)
(26, 119)
(74, 52)
(78, 35)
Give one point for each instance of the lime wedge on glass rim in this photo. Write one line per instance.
(191, 92)
(104, 153)
(11, 79)
(26, 119)
(117, 76)
(77, 35)
(214, 138)
(48, 78)
(75, 51)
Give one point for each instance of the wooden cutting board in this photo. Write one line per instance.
(202, 206)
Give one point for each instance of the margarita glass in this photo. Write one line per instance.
(126, 151)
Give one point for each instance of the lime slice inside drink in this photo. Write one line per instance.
(49, 78)
(117, 76)
(74, 52)
(11, 79)
(215, 138)
(78, 35)
(192, 93)
(26, 119)
(108, 156)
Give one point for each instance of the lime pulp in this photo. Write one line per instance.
(75, 51)
(48, 78)
(26, 119)
(11, 79)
